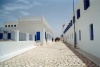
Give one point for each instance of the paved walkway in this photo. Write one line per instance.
(53, 55)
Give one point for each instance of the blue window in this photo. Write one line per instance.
(9, 35)
(45, 35)
(1, 35)
(73, 19)
(35, 37)
(71, 22)
(69, 25)
(14, 25)
(79, 34)
(38, 35)
(91, 32)
(86, 4)
(11, 25)
(8, 25)
(78, 13)
(65, 30)
(5, 25)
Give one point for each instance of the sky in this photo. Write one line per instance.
(56, 12)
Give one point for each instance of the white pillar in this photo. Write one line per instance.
(42, 36)
(5, 35)
(16, 35)
(47, 35)
(33, 37)
(27, 36)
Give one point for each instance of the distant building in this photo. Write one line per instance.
(34, 28)
(15, 36)
(87, 25)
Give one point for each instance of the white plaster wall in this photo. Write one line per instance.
(9, 49)
(11, 23)
(87, 17)
(91, 15)
(42, 36)
(69, 36)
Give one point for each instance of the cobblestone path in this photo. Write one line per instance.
(53, 55)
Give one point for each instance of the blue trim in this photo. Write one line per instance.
(86, 4)
(71, 23)
(73, 19)
(35, 37)
(1, 35)
(45, 35)
(9, 35)
(78, 13)
(38, 35)
(91, 32)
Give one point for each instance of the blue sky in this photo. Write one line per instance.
(56, 12)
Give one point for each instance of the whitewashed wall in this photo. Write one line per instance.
(90, 16)
(9, 49)
(87, 17)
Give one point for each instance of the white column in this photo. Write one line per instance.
(16, 35)
(33, 37)
(5, 35)
(42, 36)
(27, 36)
(47, 35)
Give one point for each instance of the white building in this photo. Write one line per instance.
(18, 37)
(87, 24)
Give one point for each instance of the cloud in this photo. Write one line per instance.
(37, 4)
(23, 1)
(24, 13)
(27, 2)
(17, 6)
(11, 7)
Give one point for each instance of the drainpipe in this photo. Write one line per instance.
(74, 26)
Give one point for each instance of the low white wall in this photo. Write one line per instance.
(10, 49)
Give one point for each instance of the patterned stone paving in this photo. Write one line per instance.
(87, 62)
(53, 55)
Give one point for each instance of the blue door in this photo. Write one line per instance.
(75, 40)
(9, 35)
(38, 35)
(35, 37)
(45, 35)
(1, 35)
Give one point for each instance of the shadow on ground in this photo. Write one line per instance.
(88, 62)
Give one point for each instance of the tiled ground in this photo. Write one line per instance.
(53, 55)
